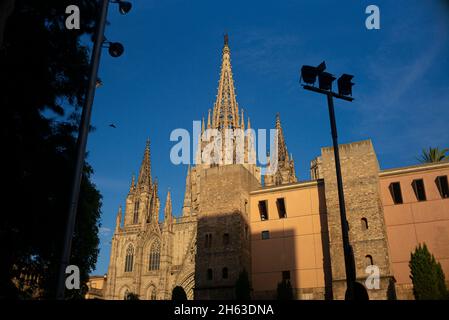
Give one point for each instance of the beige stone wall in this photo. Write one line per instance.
(360, 172)
(223, 209)
(176, 261)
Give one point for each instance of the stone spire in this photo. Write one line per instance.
(133, 184)
(187, 206)
(168, 208)
(208, 119)
(118, 219)
(282, 147)
(226, 111)
(144, 180)
(285, 172)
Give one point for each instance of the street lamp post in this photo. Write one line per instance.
(309, 75)
(81, 143)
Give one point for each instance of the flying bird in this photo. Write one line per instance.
(112, 126)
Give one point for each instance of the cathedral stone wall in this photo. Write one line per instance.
(223, 218)
(360, 173)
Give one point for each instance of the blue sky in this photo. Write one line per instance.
(169, 72)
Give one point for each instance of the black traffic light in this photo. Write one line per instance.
(345, 85)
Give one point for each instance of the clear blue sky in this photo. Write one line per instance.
(168, 77)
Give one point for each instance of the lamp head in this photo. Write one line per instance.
(116, 49)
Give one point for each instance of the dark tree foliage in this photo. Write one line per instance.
(427, 276)
(243, 287)
(178, 294)
(284, 290)
(43, 77)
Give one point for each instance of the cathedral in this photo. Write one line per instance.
(273, 226)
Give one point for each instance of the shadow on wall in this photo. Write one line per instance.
(223, 251)
(327, 265)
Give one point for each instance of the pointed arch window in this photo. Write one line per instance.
(126, 295)
(155, 256)
(152, 295)
(129, 260)
(364, 222)
(369, 260)
(136, 212)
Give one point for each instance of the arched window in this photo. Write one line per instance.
(226, 239)
(129, 258)
(152, 295)
(224, 273)
(136, 212)
(364, 222)
(155, 256)
(369, 260)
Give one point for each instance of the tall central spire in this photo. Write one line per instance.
(226, 111)
(144, 180)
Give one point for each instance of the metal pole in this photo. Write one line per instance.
(347, 250)
(81, 150)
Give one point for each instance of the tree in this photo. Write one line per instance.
(284, 290)
(178, 294)
(434, 155)
(427, 275)
(44, 70)
(243, 286)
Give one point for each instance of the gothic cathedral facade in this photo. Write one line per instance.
(208, 246)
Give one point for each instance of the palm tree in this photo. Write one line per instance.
(434, 155)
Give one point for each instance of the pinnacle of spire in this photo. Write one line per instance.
(225, 113)
(202, 126)
(242, 124)
(144, 180)
(208, 119)
(186, 208)
(118, 219)
(133, 183)
(249, 124)
(282, 147)
(168, 208)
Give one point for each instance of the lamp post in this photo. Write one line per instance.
(115, 49)
(325, 79)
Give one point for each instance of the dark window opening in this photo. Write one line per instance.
(396, 194)
(418, 188)
(129, 260)
(208, 242)
(369, 260)
(265, 235)
(442, 185)
(225, 273)
(285, 275)
(280, 203)
(136, 212)
(226, 239)
(263, 210)
(364, 222)
(209, 274)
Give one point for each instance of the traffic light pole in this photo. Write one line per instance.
(81, 150)
(347, 250)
